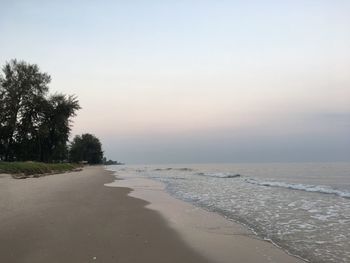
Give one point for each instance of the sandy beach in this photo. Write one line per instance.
(74, 217)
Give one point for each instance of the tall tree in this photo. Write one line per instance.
(33, 125)
(21, 85)
(55, 128)
(86, 147)
(3, 131)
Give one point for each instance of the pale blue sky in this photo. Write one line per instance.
(195, 81)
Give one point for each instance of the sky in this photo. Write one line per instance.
(195, 81)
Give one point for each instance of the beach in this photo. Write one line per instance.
(75, 217)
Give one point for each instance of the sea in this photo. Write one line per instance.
(303, 208)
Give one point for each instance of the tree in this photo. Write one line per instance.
(86, 147)
(3, 130)
(21, 85)
(33, 125)
(55, 128)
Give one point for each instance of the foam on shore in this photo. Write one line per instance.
(212, 235)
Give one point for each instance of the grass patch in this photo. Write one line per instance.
(26, 169)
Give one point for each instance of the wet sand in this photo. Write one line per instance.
(73, 217)
(210, 234)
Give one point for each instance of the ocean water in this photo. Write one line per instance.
(304, 208)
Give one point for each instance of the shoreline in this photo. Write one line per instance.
(73, 217)
(210, 234)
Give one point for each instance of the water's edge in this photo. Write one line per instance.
(139, 192)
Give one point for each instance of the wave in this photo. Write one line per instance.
(219, 175)
(174, 169)
(302, 187)
(168, 177)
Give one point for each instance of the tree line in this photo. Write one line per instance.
(35, 125)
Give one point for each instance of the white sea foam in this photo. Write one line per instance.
(183, 169)
(302, 187)
(296, 206)
(220, 175)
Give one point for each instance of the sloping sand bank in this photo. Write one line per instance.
(73, 217)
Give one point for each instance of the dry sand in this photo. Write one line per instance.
(73, 217)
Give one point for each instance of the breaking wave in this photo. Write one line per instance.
(174, 169)
(219, 175)
(302, 187)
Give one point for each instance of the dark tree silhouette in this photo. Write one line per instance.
(33, 125)
(86, 148)
(56, 127)
(21, 85)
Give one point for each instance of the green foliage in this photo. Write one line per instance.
(33, 125)
(86, 148)
(34, 168)
(110, 162)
